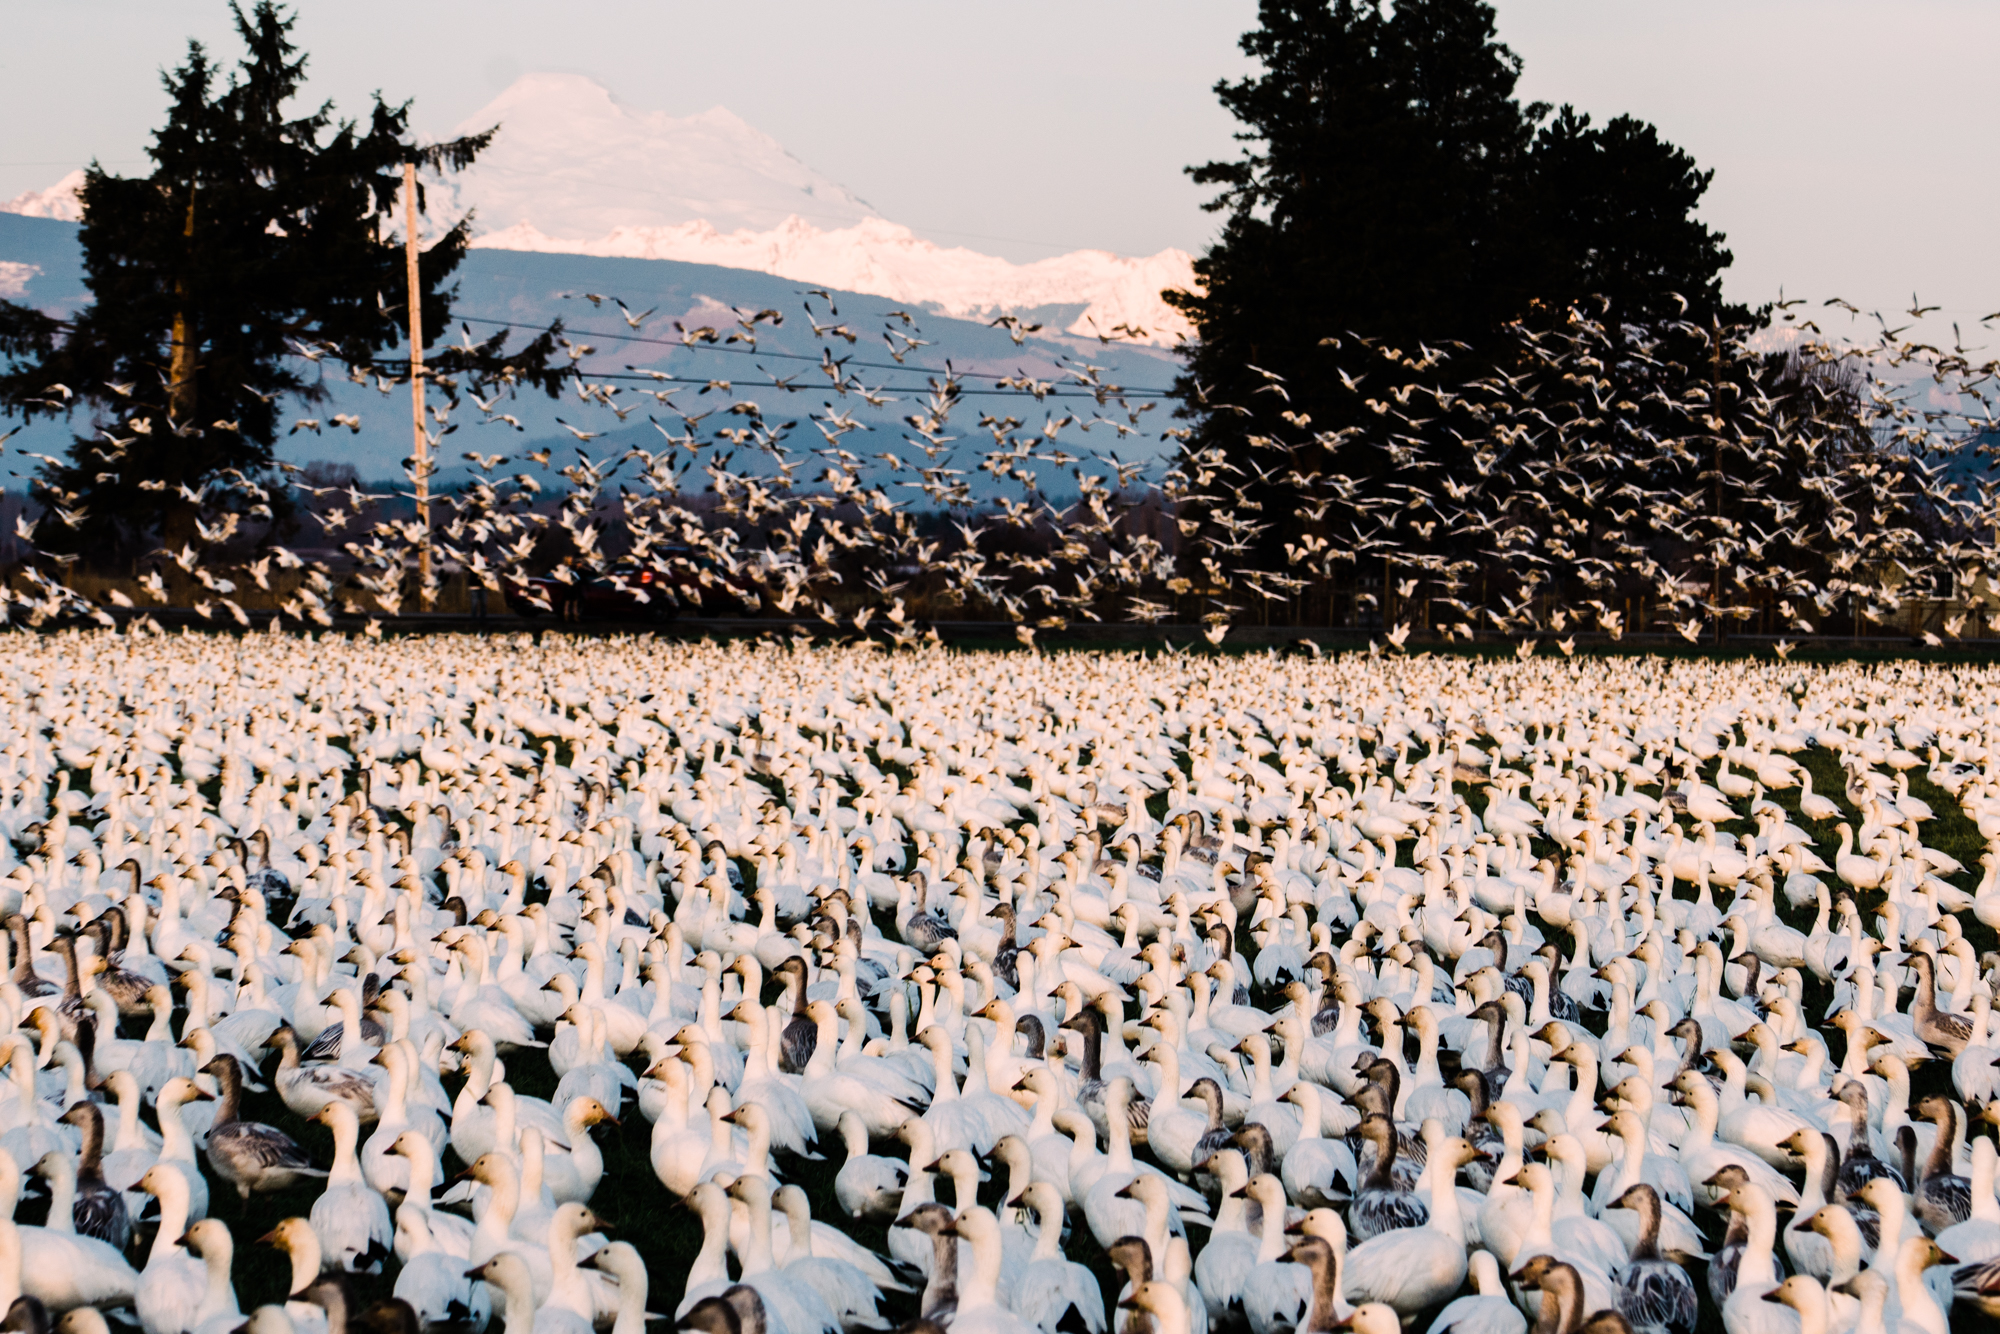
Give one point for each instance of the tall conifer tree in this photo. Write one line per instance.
(260, 251)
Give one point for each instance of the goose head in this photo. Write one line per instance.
(932, 1219)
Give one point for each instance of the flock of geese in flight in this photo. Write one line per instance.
(1593, 476)
(993, 994)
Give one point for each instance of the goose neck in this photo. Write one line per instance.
(982, 1288)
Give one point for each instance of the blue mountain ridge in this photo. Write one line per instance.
(532, 289)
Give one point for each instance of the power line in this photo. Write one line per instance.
(883, 389)
(752, 352)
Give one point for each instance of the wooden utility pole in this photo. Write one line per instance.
(1715, 561)
(423, 439)
(180, 358)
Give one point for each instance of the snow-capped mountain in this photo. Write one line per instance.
(573, 162)
(59, 201)
(1083, 292)
(575, 172)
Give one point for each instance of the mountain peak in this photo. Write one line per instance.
(59, 201)
(575, 171)
(573, 161)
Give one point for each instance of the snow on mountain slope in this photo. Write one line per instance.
(59, 201)
(1094, 291)
(575, 172)
(575, 163)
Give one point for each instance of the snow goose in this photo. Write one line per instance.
(1051, 1286)
(1161, 1302)
(1108, 1216)
(1315, 1162)
(1090, 1025)
(796, 1307)
(1703, 1157)
(173, 1284)
(1654, 1293)
(1922, 1307)
(867, 1088)
(572, 1289)
(507, 1273)
(306, 1088)
(1182, 1138)
(852, 1295)
(1940, 1029)
(1976, 1239)
(352, 1221)
(1858, 1163)
(1486, 1310)
(573, 1176)
(432, 1279)
(621, 1262)
(177, 1142)
(1940, 1197)
(708, 1270)
(472, 1122)
(1564, 1294)
(61, 1268)
(1380, 1204)
(249, 1155)
(1807, 1299)
(681, 1135)
(447, 1232)
(1412, 1268)
(296, 1238)
(1540, 1237)
(792, 1127)
(1282, 1120)
(1231, 1251)
(353, 1040)
(1274, 1293)
(130, 1153)
(210, 1242)
(938, 1301)
(979, 1309)
(1744, 1311)
(99, 1208)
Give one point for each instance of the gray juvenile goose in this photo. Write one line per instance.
(249, 1155)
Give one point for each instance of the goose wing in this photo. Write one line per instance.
(261, 1146)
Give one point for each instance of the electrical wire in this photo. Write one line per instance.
(745, 351)
(873, 389)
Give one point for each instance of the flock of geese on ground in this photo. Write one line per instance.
(1293, 994)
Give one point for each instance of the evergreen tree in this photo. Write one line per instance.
(1395, 209)
(1610, 214)
(257, 252)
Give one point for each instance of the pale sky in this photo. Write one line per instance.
(1845, 136)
